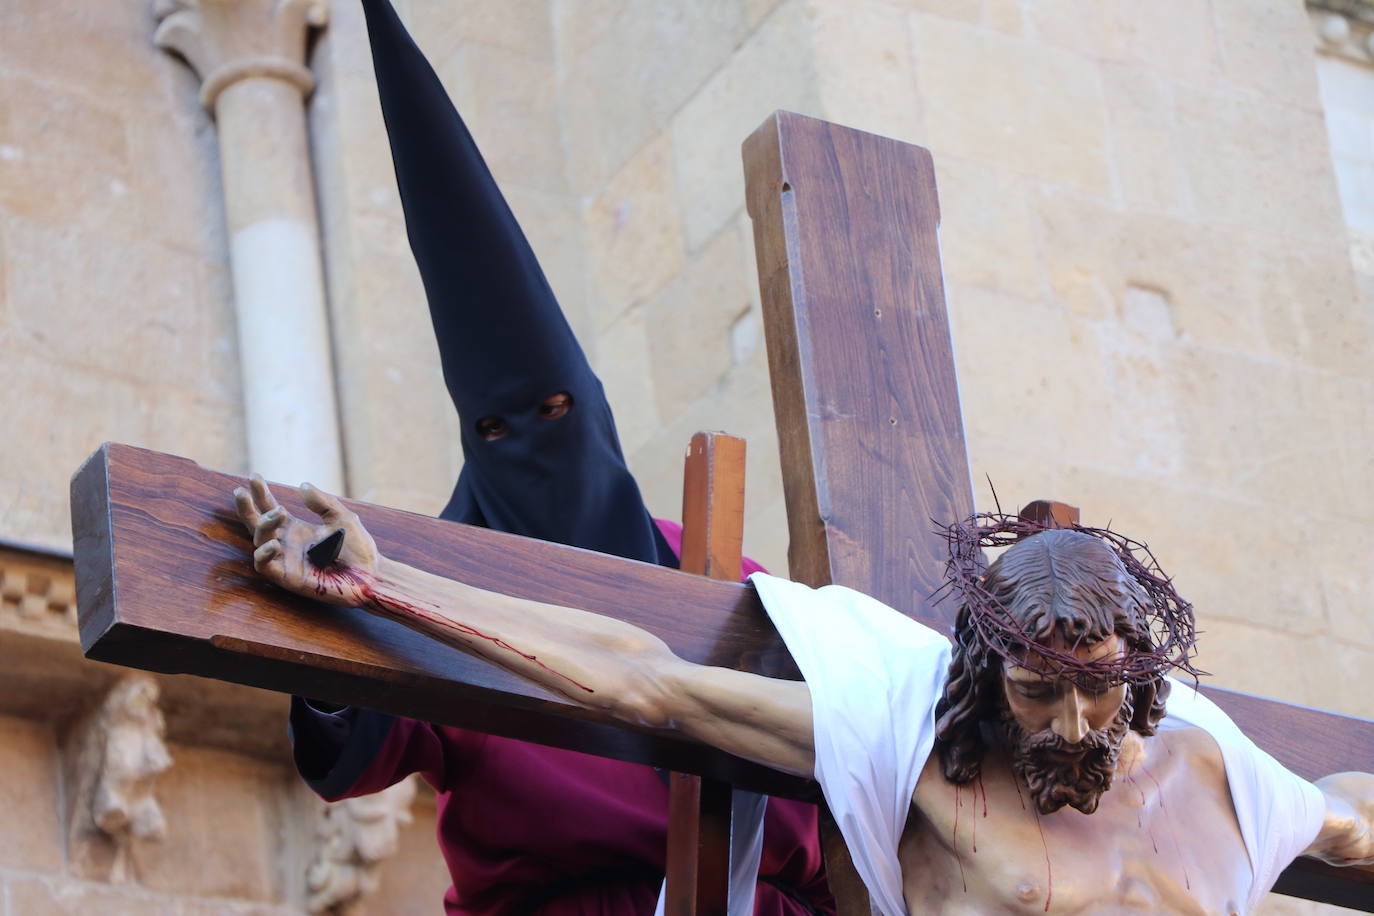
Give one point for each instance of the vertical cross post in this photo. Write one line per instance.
(698, 882)
(864, 390)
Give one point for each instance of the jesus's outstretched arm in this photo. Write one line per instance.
(593, 660)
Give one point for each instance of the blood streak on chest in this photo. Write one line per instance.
(1169, 823)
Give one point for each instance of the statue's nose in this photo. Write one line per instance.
(1071, 722)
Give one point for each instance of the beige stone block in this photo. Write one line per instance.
(634, 233)
(58, 896)
(30, 837)
(1090, 29)
(1343, 580)
(523, 26)
(1140, 114)
(1278, 665)
(1346, 683)
(225, 822)
(689, 323)
(173, 182)
(1249, 167)
(986, 237)
(623, 365)
(1176, 37)
(1256, 430)
(741, 406)
(1309, 304)
(644, 62)
(66, 159)
(508, 101)
(103, 49)
(135, 309)
(963, 10)
(1027, 107)
(579, 24)
(863, 68)
(63, 415)
(755, 11)
(1028, 374)
(1004, 16)
(1267, 45)
(1080, 241)
(768, 72)
(1206, 271)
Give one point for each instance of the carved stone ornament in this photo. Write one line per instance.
(1344, 28)
(228, 40)
(118, 753)
(355, 835)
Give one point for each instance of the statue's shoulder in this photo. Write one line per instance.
(1190, 747)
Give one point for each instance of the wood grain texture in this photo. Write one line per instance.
(699, 809)
(864, 390)
(862, 367)
(165, 583)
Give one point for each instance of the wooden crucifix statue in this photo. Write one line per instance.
(872, 443)
(1054, 698)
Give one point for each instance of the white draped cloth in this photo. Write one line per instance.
(875, 676)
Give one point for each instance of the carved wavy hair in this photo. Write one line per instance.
(1055, 582)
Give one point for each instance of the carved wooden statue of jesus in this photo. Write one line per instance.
(1050, 739)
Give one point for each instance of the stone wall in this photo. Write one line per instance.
(1158, 268)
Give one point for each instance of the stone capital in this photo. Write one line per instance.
(225, 41)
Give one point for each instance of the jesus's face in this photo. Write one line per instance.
(1064, 738)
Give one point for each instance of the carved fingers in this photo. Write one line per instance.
(282, 543)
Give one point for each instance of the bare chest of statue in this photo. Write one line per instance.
(1164, 840)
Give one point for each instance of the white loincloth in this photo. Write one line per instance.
(875, 676)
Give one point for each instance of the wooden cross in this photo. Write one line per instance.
(872, 447)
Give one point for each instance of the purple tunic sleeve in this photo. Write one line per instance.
(352, 751)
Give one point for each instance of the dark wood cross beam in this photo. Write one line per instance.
(873, 450)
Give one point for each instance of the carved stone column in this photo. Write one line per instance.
(250, 57)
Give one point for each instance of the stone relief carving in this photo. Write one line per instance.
(355, 836)
(1344, 28)
(117, 753)
(36, 592)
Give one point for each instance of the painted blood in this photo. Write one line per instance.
(339, 576)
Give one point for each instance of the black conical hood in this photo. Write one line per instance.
(503, 340)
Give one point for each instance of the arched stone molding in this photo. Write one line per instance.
(250, 56)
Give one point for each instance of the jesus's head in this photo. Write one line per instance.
(1069, 595)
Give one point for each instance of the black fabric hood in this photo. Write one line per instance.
(503, 341)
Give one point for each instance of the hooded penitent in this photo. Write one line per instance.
(503, 340)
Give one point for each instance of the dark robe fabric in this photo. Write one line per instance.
(523, 828)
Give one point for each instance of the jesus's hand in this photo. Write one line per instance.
(281, 541)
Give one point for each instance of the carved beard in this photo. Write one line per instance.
(1054, 783)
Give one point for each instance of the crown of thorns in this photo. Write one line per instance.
(1167, 619)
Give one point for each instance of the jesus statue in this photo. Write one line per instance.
(1041, 762)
